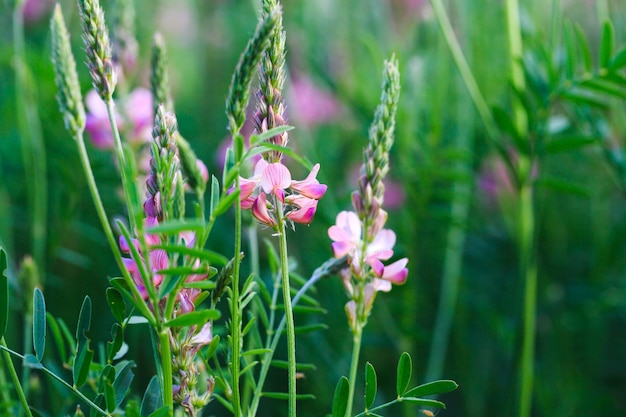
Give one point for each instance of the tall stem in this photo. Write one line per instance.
(354, 364)
(234, 307)
(291, 335)
(16, 381)
(95, 195)
(528, 271)
(166, 369)
(33, 148)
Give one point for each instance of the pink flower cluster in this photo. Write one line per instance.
(136, 118)
(366, 259)
(298, 198)
(158, 260)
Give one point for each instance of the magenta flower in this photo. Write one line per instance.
(299, 198)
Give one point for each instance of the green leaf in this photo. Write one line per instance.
(197, 318)
(116, 343)
(254, 352)
(370, 385)
(39, 323)
(82, 361)
(84, 320)
(57, 337)
(212, 348)
(161, 412)
(99, 401)
(84, 355)
(203, 285)
(137, 320)
(606, 45)
(568, 143)
(583, 45)
(432, 388)
(4, 293)
(175, 227)
(107, 376)
(564, 186)
(405, 368)
(603, 86)
(423, 401)
(152, 399)
(266, 146)
(340, 399)
(116, 304)
(585, 98)
(310, 328)
(124, 377)
(225, 203)
(254, 139)
(569, 39)
(215, 194)
(31, 361)
(619, 61)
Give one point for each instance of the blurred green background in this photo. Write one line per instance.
(449, 199)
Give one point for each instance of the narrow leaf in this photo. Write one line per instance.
(39, 323)
(254, 139)
(423, 401)
(116, 343)
(619, 61)
(225, 203)
(340, 399)
(215, 194)
(404, 373)
(285, 396)
(432, 388)
(606, 46)
(84, 320)
(30, 361)
(175, 227)
(585, 51)
(161, 412)
(370, 385)
(82, 361)
(198, 317)
(58, 337)
(4, 293)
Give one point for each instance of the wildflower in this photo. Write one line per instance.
(135, 118)
(347, 235)
(313, 105)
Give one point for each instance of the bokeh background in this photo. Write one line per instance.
(449, 197)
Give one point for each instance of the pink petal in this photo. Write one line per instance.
(381, 285)
(382, 244)
(310, 187)
(259, 211)
(342, 248)
(377, 266)
(396, 272)
(204, 336)
(275, 178)
(304, 210)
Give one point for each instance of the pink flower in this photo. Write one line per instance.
(310, 187)
(347, 235)
(299, 197)
(313, 105)
(135, 112)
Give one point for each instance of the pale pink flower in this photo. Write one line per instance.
(311, 104)
(134, 113)
(347, 235)
(204, 336)
(299, 197)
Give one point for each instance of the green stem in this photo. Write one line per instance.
(16, 381)
(166, 369)
(464, 69)
(528, 271)
(119, 150)
(291, 335)
(234, 307)
(515, 58)
(354, 365)
(76, 392)
(95, 195)
(33, 148)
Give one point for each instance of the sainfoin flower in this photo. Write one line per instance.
(135, 117)
(272, 184)
(347, 236)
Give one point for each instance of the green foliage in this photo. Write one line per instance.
(4, 293)
(39, 324)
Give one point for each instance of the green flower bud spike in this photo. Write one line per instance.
(97, 47)
(159, 79)
(66, 78)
